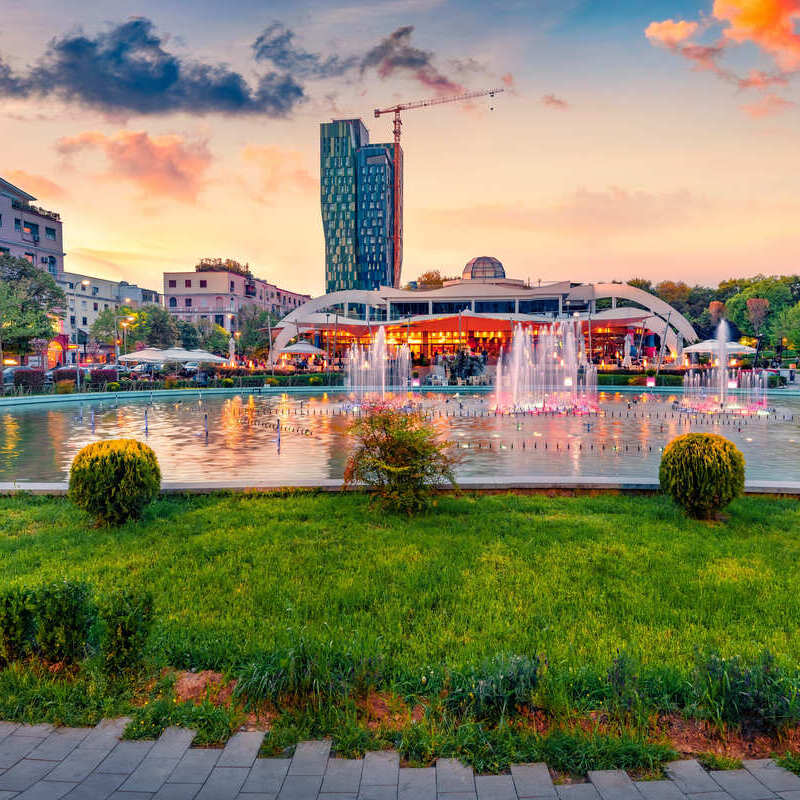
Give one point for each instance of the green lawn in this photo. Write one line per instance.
(572, 579)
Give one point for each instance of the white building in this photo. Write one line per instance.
(27, 231)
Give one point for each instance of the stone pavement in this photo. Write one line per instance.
(38, 762)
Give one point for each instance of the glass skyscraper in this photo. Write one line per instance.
(357, 198)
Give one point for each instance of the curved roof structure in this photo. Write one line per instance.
(483, 268)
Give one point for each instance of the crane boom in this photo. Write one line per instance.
(397, 234)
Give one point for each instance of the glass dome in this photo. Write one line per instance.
(483, 268)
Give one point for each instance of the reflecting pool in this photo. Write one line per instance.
(290, 438)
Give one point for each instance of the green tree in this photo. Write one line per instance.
(787, 325)
(188, 335)
(774, 290)
(214, 338)
(162, 330)
(108, 326)
(641, 283)
(31, 303)
(254, 324)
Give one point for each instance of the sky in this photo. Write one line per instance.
(632, 139)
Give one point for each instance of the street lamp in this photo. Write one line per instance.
(236, 336)
(129, 318)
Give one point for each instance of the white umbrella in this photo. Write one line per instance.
(303, 349)
(149, 355)
(204, 357)
(712, 346)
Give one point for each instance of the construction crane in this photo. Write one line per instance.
(398, 123)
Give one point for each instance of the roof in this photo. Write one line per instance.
(14, 191)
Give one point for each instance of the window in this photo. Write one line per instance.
(187, 284)
(172, 284)
(219, 319)
(188, 302)
(95, 307)
(95, 291)
(18, 225)
(84, 321)
(451, 308)
(203, 284)
(233, 286)
(72, 321)
(494, 306)
(31, 257)
(173, 302)
(105, 305)
(50, 233)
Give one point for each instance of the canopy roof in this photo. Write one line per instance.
(174, 355)
(712, 346)
(304, 349)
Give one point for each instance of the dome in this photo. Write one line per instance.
(483, 268)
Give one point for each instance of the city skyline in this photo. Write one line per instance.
(653, 140)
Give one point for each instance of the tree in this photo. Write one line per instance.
(757, 310)
(778, 295)
(641, 283)
(162, 330)
(31, 302)
(254, 323)
(787, 325)
(188, 334)
(213, 337)
(716, 310)
(107, 328)
(223, 265)
(676, 294)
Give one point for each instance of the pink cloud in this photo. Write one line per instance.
(277, 170)
(670, 32)
(38, 185)
(768, 105)
(164, 165)
(552, 101)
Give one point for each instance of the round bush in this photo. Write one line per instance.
(113, 386)
(702, 472)
(227, 383)
(114, 480)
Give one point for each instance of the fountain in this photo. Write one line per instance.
(722, 389)
(372, 371)
(546, 372)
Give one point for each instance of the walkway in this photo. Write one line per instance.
(38, 762)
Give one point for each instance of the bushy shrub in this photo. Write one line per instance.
(315, 380)
(170, 382)
(65, 387)
(399, 456)
(98, 377)
(702, 472)
(226, 383)
(114, 480)
(128, 618)
(272, 381)
(30, 379)
(65, 374)
(17, 625)
(64, 618)
(112, 387)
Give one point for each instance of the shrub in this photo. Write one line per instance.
(226, 383)
(64, 618)
(170, 382)
(398, 455)
(65, 387)
(128, 617)
(65, 374)
(315, 380)
(114, 480)
(113, 386)
(101, 376)
(702, 472)
(16, 625)
(31, 379)
(273, 381)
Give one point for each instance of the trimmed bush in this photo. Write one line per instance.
(112, 387)
(128, 616)
(226, 383)
(97, 377)
(702, 472)
(65, 374)
(17, 626)
(315, 380)
(65, 616)
(31, 379)
(65, 387)
(114, 480)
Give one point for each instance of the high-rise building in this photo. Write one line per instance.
(357, 199)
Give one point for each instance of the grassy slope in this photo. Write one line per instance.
(571, 578)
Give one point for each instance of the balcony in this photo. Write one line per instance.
(40, 212)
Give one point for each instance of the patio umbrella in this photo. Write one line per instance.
(303, 349)
(204, 357)
(712, 346)
(149, 355)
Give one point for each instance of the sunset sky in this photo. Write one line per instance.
(657, 140)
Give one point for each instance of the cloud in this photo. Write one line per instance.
(551, 101)
(768, 105)
(160, 165)
(127, 69)
(275, 44)
(669, 32)
(396, 54)
(278, 170)
(38, 185)
(770, 24)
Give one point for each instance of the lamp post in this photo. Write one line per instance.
(128, 318)
(236, 336)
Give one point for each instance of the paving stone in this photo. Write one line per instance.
(381, 768)
(741, 785)
(97, 786)
(457, 796)
(39, 731)
(613, 784)
(224, 783)
(150, 775)
(416, 784)
(771, 775)
(709, 796)
(7, 795)
(195, 766)
(172, 743)
(795, 795)
(125, 757)
(77, 766)
(659, 790)
(46, 790)
(15, 748)
(59, 744)
(266, 776)
(577, 791)
(322, 796)
(342, 776)
(265, 796)
(495, 787)
(105, 735)
(532, 780)
(310, 758)
(377, 793)
(7, 728)
(453, 776)
(178, 791)
(300, 787)
(241, 749)
(131, 796)
(690, 777)
(24, 774)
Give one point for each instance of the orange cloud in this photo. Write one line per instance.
(768, 23)
(161, 165)
(757, 79)
(38, 185)
(768, 105)
(670, 32)
(552, 101)
(277, 170)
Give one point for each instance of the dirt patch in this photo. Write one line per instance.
(199, 686)
(385, 710)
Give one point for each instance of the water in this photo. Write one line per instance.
(623, 437)
(372, 370)
(546, 372)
